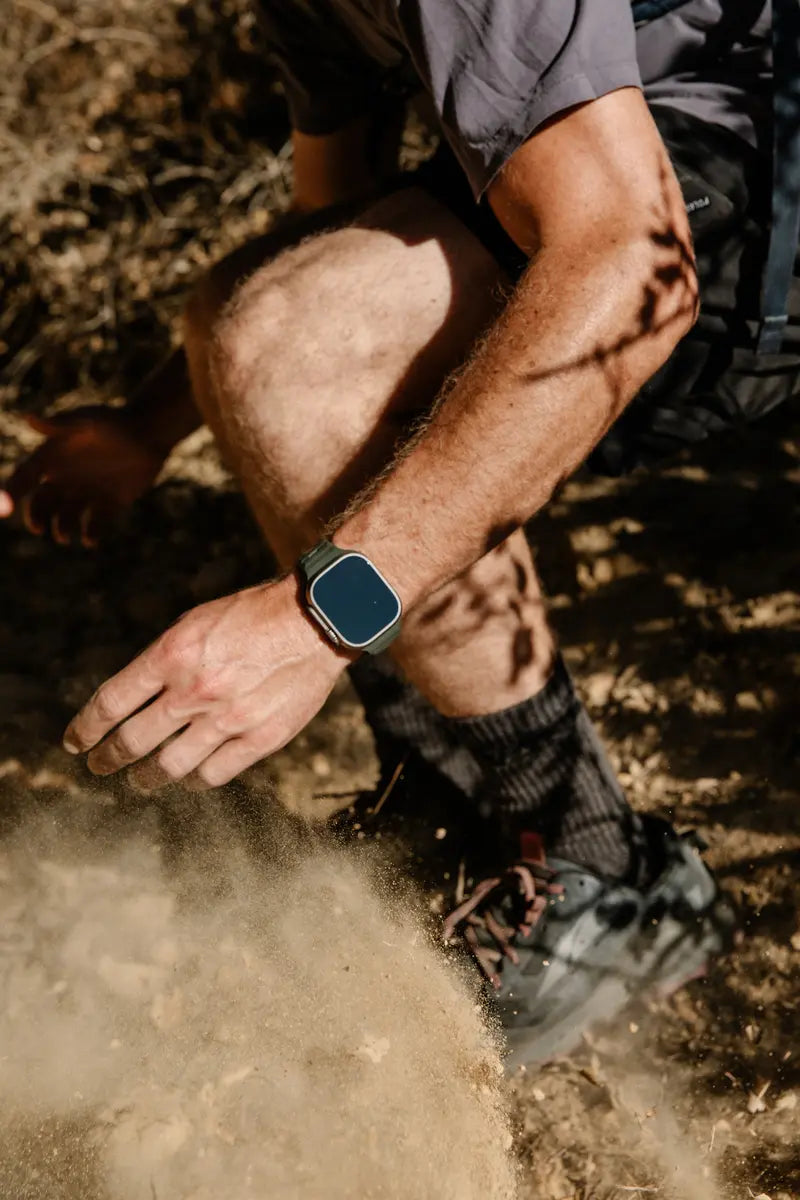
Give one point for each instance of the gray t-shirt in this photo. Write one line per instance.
(496, 70)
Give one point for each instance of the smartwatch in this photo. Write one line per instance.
(349, 598)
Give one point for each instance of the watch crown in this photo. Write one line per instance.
(325, 627)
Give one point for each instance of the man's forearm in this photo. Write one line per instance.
(582, 334)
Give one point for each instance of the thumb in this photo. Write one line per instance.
(6, 504)
(49, 426)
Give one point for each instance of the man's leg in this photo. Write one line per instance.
(314, 370)
(309, 374)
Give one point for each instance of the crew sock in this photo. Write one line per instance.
(539, 766)
(402, 720)
(545, 770)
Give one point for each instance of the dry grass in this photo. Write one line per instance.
(138, 142)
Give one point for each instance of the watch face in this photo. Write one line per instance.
(355, 599)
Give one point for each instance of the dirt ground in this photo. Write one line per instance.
(138, 141)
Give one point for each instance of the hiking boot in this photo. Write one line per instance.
(562, 948)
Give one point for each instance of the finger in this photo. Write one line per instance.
(57, 530)
(233, 757)
(190, 749)
(147, 777)
(6, 505)
(66, 520)
(25, 478)
(47, 426)
(193, 783)
(118, 698)
(91, 526)
(36, 507)
(41, 509)
(96, 520)
(135, 738)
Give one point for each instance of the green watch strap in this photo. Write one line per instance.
(315, 561)
(379, 644)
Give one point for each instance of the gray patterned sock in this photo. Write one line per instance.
(545, 770)
(400, 717)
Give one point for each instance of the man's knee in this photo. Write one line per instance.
(284, 350)
(355, 320)
(355, 303)
(323, 316)
(211, 296)
(202, 312)
(229, 322)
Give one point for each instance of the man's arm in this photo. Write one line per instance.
(609, 291)
(337, 168)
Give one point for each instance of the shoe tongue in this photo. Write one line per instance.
(531, 847)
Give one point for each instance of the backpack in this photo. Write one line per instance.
(717, 380)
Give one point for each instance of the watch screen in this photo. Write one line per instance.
(355, 600)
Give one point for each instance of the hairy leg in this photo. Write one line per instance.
(311, 370)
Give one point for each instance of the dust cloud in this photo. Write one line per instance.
(646, 1102)
(231, 1015)
(597, 1116)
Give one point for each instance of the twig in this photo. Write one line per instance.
(47, 48)
(461, 882)
(115, 33)
(387, 791)
(24, 359)
(46, 11)
(336, 795)
(185, 172)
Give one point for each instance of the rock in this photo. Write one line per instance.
(320, 765)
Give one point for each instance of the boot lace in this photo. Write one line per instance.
(519, 894)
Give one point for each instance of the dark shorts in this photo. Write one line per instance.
(713, 380)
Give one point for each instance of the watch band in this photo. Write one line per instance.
(315, 561)
(318, 558)
(379, 644)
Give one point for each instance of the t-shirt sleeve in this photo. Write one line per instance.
(328, 79)
(498, 69)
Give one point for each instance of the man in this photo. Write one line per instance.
(507, 304)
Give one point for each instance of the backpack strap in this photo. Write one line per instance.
(649, 10)
(785, 225)
(785, 231)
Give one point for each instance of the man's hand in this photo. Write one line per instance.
(93, 465)
(235, 680)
